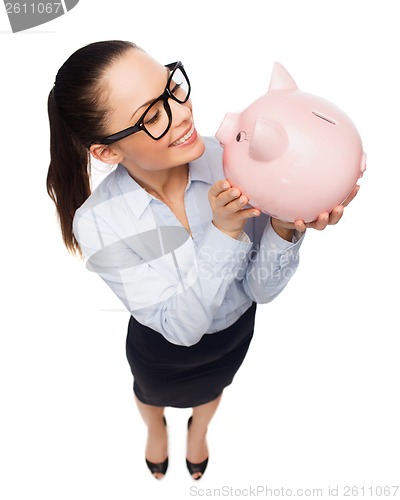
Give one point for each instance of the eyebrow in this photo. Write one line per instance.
(147, 103)
(150, 101)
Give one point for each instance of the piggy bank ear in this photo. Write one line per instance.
(268, 141)
(227, 127)
(280, 79)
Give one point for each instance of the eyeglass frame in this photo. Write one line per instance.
(139, 125)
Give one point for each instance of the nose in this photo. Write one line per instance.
(181, 112)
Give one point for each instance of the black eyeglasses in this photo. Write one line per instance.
(157, 119)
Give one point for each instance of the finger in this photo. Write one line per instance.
(351, 196)
(226, 197)
(299, 225)
(238, 206)
(336, 215)
(238, 203)
(321, 222)
(217, 188)
(248, 213)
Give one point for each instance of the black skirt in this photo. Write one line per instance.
(167, 374)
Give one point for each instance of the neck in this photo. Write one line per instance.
(166, 185)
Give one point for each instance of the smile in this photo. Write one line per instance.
(184, 138)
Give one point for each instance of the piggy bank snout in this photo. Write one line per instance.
(227, 127)
(269, 140)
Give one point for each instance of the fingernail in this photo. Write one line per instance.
(235, 192)
(225, 185)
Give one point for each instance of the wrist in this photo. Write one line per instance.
(231, 233)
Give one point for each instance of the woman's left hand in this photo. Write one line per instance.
(323, 220)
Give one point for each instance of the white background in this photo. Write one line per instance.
(316, 402)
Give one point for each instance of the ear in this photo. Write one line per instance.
(269, 140)
(280, 79)
(106, 154)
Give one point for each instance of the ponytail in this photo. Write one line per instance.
(77, 111)
(68, 177)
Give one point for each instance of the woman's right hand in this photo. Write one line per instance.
(227, 204)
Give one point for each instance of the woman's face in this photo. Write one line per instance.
(134, 81)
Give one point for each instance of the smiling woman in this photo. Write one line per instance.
(169, 235)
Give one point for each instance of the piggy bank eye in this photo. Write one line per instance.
(241, 136)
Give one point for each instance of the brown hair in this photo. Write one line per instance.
(78, 115)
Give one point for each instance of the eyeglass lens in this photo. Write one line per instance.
(156, 119)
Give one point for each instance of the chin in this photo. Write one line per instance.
(195, 151)
(200, 146)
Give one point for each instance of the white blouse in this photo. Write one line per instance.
(183, 286)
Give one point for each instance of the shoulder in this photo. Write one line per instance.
(116, 203)
(107, 189)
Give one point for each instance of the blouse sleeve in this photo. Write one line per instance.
(163, 278)
(271, 265)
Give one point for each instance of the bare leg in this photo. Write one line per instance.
(197, 450)
(157, 437)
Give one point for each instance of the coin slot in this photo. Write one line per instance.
(329, 120)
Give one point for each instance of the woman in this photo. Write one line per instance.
(172, 238)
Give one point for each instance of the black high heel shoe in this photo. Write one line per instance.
(160, 468)
(194, 468)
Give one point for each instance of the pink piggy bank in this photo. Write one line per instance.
(293, 154)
